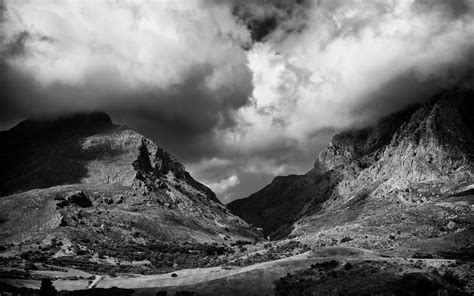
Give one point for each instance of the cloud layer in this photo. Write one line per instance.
(175, 70)
(239, 90)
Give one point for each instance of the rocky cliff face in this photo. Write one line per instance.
(411, 158)
(129, 183)
(430, 145)
(86, 148)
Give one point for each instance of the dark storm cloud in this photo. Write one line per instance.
(182, 119)
(191, 92)
(17, 47)
(261, 28)
(3, 10)
(254, 170)
(263, 18)
(177, 72)
(451, 8)
(409, 89)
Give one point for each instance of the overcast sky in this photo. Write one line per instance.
(240, 91)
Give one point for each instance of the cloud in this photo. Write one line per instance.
(174, 70)
(224, 185)
(351, 54)
(257, 169)
(243, 88)
(262, 18)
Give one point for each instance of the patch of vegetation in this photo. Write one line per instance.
(271, 253)
(6, 288)
(372, 278)
(14, 274)
(163, 256)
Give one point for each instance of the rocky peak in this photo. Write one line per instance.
(87, 148)
(153, 164)
(361, 145)
(82, 177)
(431, 144)
(156, 161)
(428, 146)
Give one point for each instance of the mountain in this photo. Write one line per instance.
(91, 186)
(405, 181)
(98, 209)
(86, 148)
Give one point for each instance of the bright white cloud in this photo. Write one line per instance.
(349, 50)
(179, 72)
(224, 185)
(125, 44)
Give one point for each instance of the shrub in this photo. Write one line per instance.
(47, 288)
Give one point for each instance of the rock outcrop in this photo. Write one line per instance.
(77, 198)
(85, 148)
(117, 176)
(412, 156)
(431, 145)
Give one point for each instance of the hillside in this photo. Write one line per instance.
(83, 188)
(403, 183)
(386, 210)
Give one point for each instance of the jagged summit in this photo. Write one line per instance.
(419, 154)
(433, 142)
(124, 176)
(84, 148)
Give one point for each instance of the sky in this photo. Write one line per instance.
(239, 91)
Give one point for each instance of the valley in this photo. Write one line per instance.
(101, 210)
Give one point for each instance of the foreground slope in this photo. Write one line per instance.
(323, 271)
(83, 187)
(404, 183)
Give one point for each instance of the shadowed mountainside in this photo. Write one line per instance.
(81, 177)
(386, 210)
(409, 161)
(84, 148)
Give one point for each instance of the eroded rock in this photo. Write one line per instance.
(77, 198)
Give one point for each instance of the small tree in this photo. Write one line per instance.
(47, 288)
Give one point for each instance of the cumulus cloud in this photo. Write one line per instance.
(224, 185)
(242, 89)
(352, 54)
(152, 45)
(157, 65)
(346, 65)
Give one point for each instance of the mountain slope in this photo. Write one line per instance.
(96, 186)
(85, 148)
(398, 174)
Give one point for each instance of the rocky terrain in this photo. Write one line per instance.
(415, 157)
(402, 188)
(83, 192)
(99, 209)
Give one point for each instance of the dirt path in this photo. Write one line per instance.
(259, 276)
(96, 281)
(197, 275)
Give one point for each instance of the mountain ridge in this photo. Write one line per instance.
(425, 145)
(151, 161)
(51, 168)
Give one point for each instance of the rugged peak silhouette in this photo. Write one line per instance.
(424, 147)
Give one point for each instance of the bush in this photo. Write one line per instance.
(47, 288)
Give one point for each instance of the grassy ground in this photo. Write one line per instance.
(336, 270)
